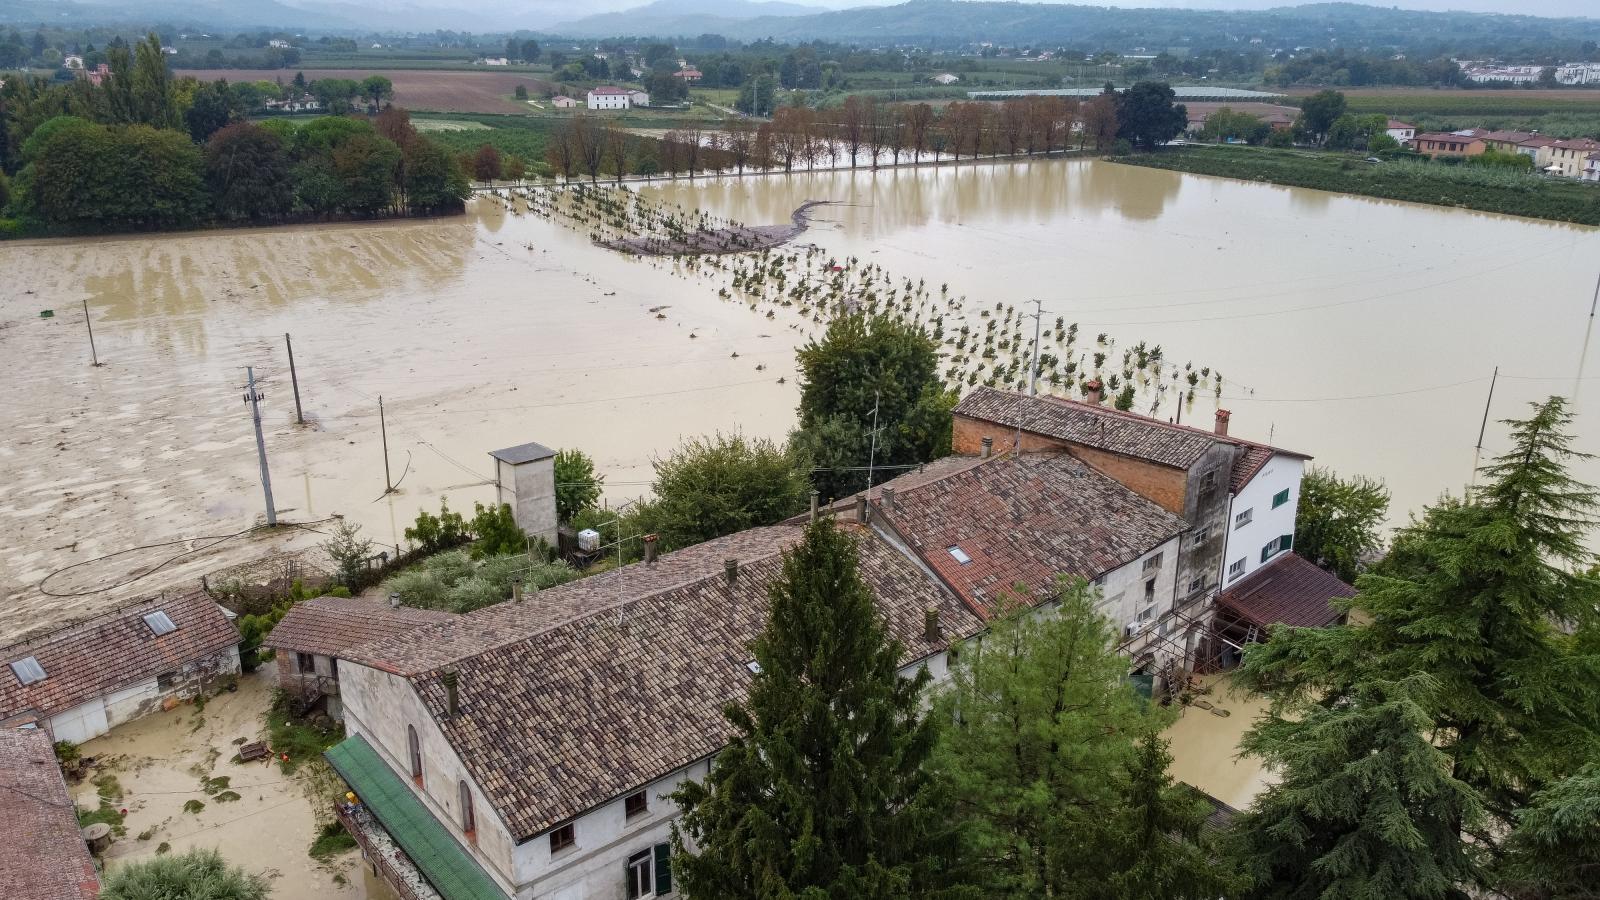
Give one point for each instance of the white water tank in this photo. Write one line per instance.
(588, 540)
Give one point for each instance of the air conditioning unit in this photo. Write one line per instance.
(1133, 629)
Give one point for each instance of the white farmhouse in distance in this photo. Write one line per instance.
(946, 78)
(607, 97)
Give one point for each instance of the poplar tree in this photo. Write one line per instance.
(1484, 597)
(821, 791)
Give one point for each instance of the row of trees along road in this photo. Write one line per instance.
(863, 129)
(143, 150)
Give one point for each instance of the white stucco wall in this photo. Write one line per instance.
(379, 706)
(1122, 590)
(1266, 522)
(95, 717)
(530, 490)
(607, 101)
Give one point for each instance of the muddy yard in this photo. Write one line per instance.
(173, 773)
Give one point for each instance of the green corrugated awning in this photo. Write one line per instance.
(440, 857)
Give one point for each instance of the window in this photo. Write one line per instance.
(1276, 545)
(1208, 481)
(1244, 518)
(960, 555)
(1149, 590)
(641, 866)
(1152, 563)
(1280, 498)
(1201, 536)
(469, 821)
(1146, 614)
(166, 680)
(414, 749)
(27, 670)
(1197, 585)
(160, 623)
(754, 666)
(562, 838)
(635, 804)
(305, 663)
(1237, 569)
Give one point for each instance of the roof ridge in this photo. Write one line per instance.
(106, 616)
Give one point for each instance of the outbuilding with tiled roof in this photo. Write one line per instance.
(84, 679)
(1290, 590)
(42, 854)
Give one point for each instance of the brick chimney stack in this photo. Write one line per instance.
(1093, 391)
(452, 693)
(1222, 421)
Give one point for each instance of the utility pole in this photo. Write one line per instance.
(1033, 372)
(1477, 453)
(299, 418)
(94, 357)
(872, 457)
(383, 429)
(1596, 302)
(254, 398)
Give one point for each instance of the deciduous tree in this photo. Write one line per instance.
(247, 171)
(712, 486)
(1147, 116)
(1338, 521)
(195, 875)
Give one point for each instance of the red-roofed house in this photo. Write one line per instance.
(42, 853)
(689, 76)
(608, 98)
(85, 679)
(1567, 158)
(1448, 143)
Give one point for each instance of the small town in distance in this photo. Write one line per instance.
(945, 450)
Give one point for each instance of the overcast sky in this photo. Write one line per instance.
(1587, 8)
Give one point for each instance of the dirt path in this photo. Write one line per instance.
(712, 241)
(159, 763)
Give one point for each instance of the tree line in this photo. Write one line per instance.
(143, 150)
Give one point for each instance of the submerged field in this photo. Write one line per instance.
(1468, 187)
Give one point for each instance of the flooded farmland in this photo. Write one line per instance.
(1361, 331)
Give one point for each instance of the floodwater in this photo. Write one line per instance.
(159, 762)
(1204, 744)
(1363, 332)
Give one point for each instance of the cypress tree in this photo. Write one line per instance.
(821, 791)
(1480, 595)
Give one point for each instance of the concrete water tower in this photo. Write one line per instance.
(525, 480)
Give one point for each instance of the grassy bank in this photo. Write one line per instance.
(1488, 190)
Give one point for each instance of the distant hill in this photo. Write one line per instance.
(673, 16)
(957, 22)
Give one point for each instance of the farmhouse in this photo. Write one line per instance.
(945, 78)
(608, 98)
(1567, 158)
(1448, 144)
(316, 634)
(83, 680)
(562, 101)
(42, 854)
(1400, 131)
(1591, 168)
(689, 76)
(638, 98)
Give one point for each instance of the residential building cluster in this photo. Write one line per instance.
(1570, 158)
(1572, 73)
(530, 748)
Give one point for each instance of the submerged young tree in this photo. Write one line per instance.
(1479, 596)
(821, 792)
(1042, 767)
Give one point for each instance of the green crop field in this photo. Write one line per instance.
(1469, 187)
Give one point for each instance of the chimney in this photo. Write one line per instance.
(988, 447)
(888, 499)
(814, 496)
(730, 567)
(650, 549)
(930, 625)
(516, 590)
(1222, 421)
(861, 508)
(394, 600)
(1093, 391)
(452, 693)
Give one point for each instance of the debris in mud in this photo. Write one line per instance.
(730, 238)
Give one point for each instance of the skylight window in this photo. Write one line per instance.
(160, 623)
(960, 555)
(754, 667)
(27, 670)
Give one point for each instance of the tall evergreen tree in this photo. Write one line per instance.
(1161, 852)
(1554, 853)
(1041, 765)
(1366, 808)
(821, 793)
(1476, 596)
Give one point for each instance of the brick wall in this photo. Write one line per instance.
(1160, 484)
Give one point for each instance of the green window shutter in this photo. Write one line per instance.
(1266, 552)
(1280, 498)
(1286, 542)
(663, 869)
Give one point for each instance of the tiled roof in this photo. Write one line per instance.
(332, 626)
(1115, 431)
(42, 854)
(1577, 144)
(1446, 137)
(112, 651)
(607, 91)
(1290, 590)
(523, 453)
(1396, 123)
(1025, 520)
(580, 713)
(1537, 141)
(1509, 137)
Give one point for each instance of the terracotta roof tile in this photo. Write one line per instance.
(113, 650)
(1115, 431)
(1025, 520)
(581, 712)
(332, 626)
(42, 853)
(1290, 590)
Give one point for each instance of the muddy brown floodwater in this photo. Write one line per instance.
(1361, 331)
(158, 763)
